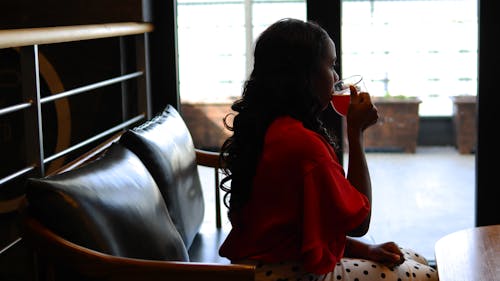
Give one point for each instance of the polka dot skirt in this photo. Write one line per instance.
(414, 268)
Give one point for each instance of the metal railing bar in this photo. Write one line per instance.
(92, 86)
(33, 123)
(87, 141)
(10, 245)
(16, 174)
(124, 50)
(16, 107)
(143, 83)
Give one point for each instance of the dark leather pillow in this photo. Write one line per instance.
(111, 205)
(166, 148)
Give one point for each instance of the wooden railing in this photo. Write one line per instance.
(26, 42)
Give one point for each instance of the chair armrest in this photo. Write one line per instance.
(207, 158)
(95, 264)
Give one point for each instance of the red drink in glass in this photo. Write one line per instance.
(341, 95)
(341, 103)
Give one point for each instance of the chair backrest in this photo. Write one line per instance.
(111, 205)
(166, 148)
(107, 220)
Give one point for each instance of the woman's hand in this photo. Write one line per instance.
(388, 254)
(362, 113)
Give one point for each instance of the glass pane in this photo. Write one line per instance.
(211, 49)
(214, 40)
(426, 49)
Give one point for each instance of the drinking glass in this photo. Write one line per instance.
(341, 94)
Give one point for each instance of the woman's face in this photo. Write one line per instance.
(326, 76)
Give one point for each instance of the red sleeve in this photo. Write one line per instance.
(332, 207)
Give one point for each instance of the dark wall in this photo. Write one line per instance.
(164, 85)
(488, 205)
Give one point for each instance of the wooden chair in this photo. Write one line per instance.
(106, 216)
(55, 251)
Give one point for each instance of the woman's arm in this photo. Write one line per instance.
(362, 114)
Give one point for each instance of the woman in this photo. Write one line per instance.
(292, 208)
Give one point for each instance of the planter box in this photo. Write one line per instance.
(396, 130)
(397, 127)
(464, 123)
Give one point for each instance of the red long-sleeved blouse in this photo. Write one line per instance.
(301, 205)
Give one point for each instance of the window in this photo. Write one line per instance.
(214, 40)
(424, 48)
(427, 49)
(421, 48)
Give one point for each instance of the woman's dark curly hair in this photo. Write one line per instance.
(287, 55)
